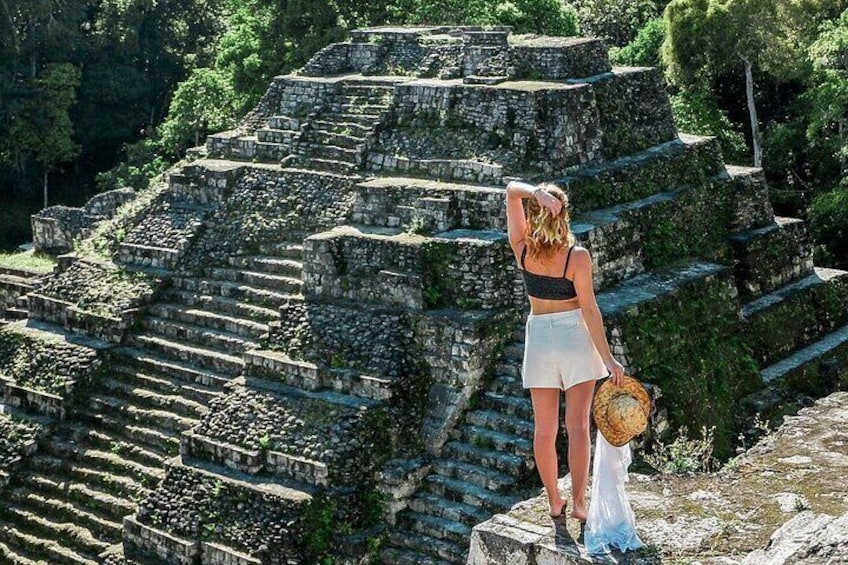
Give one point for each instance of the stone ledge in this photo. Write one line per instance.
(31, 400)
(721, 516)
(217, 554)
(142, 541)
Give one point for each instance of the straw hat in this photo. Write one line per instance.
(621, 412)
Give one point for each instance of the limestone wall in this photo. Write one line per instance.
(55, 228)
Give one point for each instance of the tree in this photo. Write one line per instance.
(617, 21)
(203, 103)
(44, 128)
(706, 38)
(827, 97)
(644, 51)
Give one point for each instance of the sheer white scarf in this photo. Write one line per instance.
(611, 523)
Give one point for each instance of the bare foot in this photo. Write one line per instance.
(557, 508)
(579, 512)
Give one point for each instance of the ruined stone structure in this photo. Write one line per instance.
(305, 340)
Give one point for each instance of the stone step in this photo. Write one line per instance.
(284, 249)
(271, 264)
(356, 103)
(277, 283)
(427, 503)
(468, 493)
(15, 313)
(509, 463)
(508, 368)
(134, 412)
(503, 403)
(337, 138)
(484, 477)
(770, 257)
(41, 550)
(206, 383)
(351, 114)
(358, 384)
(148, 255)
(335, 153)
(486, 438)
(396, 556)
(331, 166)
(796, 314)
(433, 547)
(508, 385)
(203, 336)
(10, 557)
(360, 88)
(175, 403)
(831, 348)
(276, 137)
(220, 363)
(73, 537)
(282, 122)
(436, 527)
(59, 509)
(106, 461)
(15, 284)
(230, 307)
(145, 445)
(105, 504)
(168, 385)
(499, 421)
(118, 485)
(341, 127)
(256, 296)
(686, 161)
(245, 328)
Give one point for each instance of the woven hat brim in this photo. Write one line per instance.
(605, 394)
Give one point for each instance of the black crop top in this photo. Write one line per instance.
(543, 286)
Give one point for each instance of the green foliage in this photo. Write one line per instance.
(318, 527)
(41, 127)
(617, 21)
(684, 454)
(202, 104)
(29, 260)
(550, 17)
(829, 226)
(644, 50)
(144, 160)
(698, 113)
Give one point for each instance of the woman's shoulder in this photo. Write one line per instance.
(580, 254)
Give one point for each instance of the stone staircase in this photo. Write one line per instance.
(68, 506)
(14, 286)
(337, 137)
(483, 470)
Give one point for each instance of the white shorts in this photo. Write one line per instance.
(559, 352)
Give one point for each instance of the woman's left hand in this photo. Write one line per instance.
(549, 201)
(616, 370)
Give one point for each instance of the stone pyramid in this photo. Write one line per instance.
(304, 340)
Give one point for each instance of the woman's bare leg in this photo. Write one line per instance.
(546, 423)
(578, 402)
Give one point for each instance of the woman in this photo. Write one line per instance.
(565, 342)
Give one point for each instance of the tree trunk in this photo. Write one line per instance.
(756, 138)
(45, 187)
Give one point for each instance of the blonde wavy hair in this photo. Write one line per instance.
(546, 234)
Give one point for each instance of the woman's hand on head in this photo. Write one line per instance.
(549, 201)
(616, 370)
